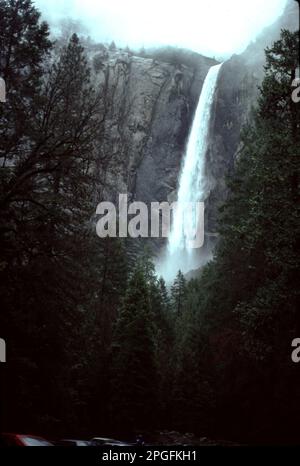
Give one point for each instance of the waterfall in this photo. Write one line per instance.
(193, 185)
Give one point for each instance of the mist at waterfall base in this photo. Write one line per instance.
(194, 187)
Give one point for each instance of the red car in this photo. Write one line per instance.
(17, 440)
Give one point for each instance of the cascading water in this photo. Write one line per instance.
(193, 185)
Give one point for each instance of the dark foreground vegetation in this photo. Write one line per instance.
(97, 344)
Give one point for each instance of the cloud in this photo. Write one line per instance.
(217, 27)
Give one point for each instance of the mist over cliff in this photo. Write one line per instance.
(214, 29)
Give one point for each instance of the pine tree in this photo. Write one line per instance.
(24, 46)
(112, 47)
(142, 52)
(178, 292)
(164, 295)
(134, 374)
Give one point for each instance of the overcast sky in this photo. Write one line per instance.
(211, 27)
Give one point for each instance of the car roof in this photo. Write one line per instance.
(101, 438)
(104, 439)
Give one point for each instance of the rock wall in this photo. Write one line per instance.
(148, 107)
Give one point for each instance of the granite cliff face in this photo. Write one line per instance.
(148, 109)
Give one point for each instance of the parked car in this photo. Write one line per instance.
(72, 443)
(101, 441)
(18, 440)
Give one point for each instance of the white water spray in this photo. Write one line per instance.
(193, 185)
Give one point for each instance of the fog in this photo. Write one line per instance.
(212, 27)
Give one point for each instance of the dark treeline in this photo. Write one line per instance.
(97, 344)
